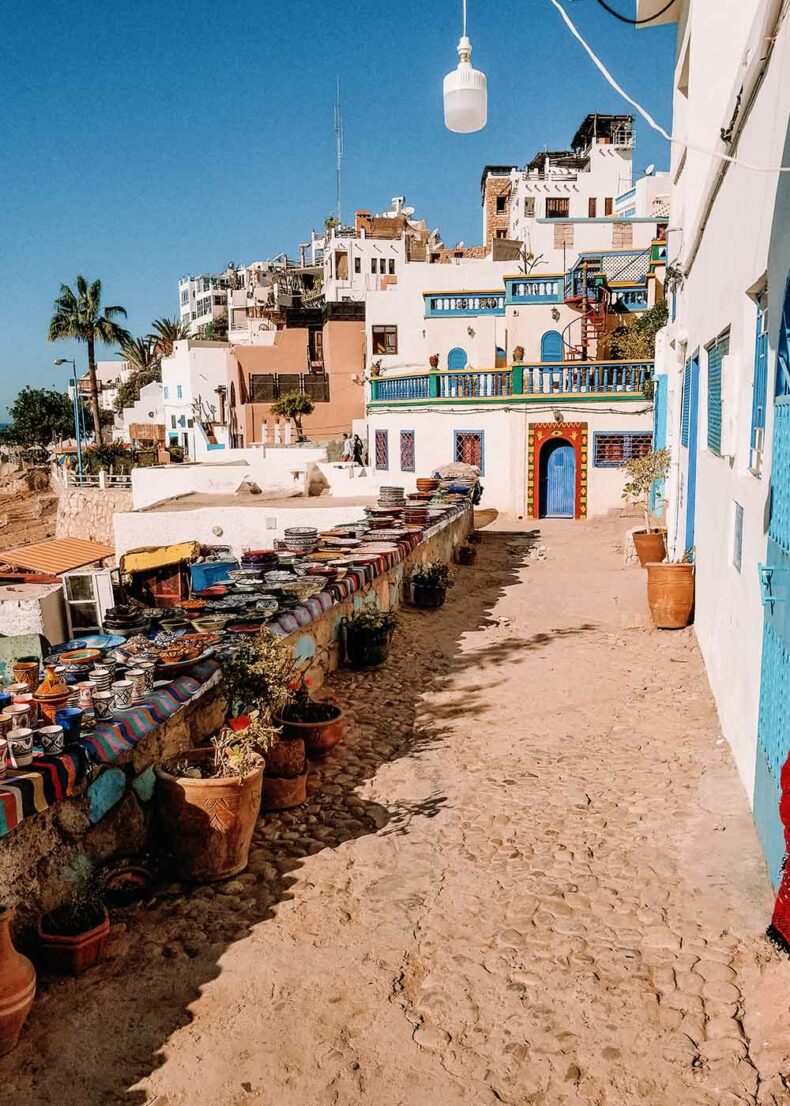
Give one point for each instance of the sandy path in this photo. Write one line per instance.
(530, 876)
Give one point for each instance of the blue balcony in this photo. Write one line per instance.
(629, 299)
(526, 290)
(527, 383)
(449, 305)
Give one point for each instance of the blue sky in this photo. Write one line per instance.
(148, 140)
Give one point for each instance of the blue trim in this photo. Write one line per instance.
(691, 471)
(386, 436)
(482, 434)
(760, 380)
(456, 358)
(715, 354)
(661, 388)
(413, 450)
(443, 305)
(551, 347)
(535, 289)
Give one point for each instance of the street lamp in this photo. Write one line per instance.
(465, 92)
(70, 361)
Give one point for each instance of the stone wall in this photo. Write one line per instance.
(112, 817)
(88, 512)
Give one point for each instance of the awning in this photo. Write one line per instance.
(57, 555)
(159, 556)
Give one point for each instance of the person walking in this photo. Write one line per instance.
(348, 447)
(359, 451)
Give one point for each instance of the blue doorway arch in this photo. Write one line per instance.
(551, 346)
(456, 358)
(558, 479)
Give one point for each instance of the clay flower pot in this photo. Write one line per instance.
(72, 954)
(650, 545)
(17, 987)
(433, 360)
(319, 737)
(518, 353)
(208, 823)
(428, 598)
(670, 594)
(367, 648)
(466, 555)
(283, 793)
(286, 758)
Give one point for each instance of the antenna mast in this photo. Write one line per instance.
(338, 148)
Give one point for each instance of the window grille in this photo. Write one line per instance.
(716, 353)
(382, 450)
(469, 448)
(407, 450)
(557, 207)
(737, 536)
(685, 414)
(611, 450)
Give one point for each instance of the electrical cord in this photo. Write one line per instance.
(635, 22)
(646, 114)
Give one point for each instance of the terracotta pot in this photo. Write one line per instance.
(670, 594)
(518, 353)
(428, 598)
(49, 709)
(367, 648)
(466, 555)
(208, 824)
(650, 545)
(319, 737)
(283, 794)
(27, 673)
(70, 955)
(286, 759)
(17, 987)
(433, 361)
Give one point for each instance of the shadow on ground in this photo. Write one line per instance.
(94, 1039)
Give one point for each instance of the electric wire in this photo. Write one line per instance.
(646, 114)
(635, 22)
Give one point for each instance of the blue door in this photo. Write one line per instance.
(557, 480)
(456, 358)
(688, 438)
(773, 728)
(551, 346)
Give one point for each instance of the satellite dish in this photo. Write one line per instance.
(407, 211)
(650, 170)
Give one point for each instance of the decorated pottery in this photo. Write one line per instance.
(20, 746)
(51, 740)
(27, 671)
(3, 757)
(17, 987)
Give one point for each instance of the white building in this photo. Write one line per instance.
(204, 298)
(143, 419)
(109, 374)
(194, 396)
(722, 366)
(473, 362)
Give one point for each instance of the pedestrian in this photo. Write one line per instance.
(358, 450)
(348, 447)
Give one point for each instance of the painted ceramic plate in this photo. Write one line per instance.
(378, 547)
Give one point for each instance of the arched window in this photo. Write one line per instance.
(456, 358)
(551, 346)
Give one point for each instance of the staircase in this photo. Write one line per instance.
(591, 323)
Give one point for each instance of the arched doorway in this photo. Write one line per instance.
(456, 358)
(557, 479)
(551, 346)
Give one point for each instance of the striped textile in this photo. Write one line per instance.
(50, 779)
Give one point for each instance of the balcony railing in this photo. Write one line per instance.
(468, 303)
(623, 378)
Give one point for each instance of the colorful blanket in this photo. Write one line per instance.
(51, 779)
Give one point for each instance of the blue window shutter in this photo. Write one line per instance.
(686, 408)
(715, 355)
(760, 385)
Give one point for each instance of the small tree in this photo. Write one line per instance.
(39, 417)
(636, 339)
(643, 473)
(294, 405)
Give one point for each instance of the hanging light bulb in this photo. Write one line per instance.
(465, 92)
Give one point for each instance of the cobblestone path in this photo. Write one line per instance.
(528, 876)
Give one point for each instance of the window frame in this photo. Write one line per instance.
(465, 433)
(736, 552)
(558, 201)
(628, 437)
(759, 383)
(719, 348)
(608, 205)
(384, 332)
(592, 207)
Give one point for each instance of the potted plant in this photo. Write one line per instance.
(74, 937)
(259, 678)
(429, 584)
(207, 801)
(643, 473)
(433, 361)
(518, 353)
(320, 723)
(670, 592)
(368, 634)
(466, 555)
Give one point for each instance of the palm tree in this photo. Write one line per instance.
(142, 354)
(167, 332)
(80, 315)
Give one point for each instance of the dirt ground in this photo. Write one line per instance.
(28, 510)
(529, 875)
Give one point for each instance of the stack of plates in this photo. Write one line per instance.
(384, 536)
(391, 497)
(428, 485)
(416, 516)
(301, 539)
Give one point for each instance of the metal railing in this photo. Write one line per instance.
(520, 380)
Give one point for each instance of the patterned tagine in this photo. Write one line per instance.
(17, 987)
(52, 694)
